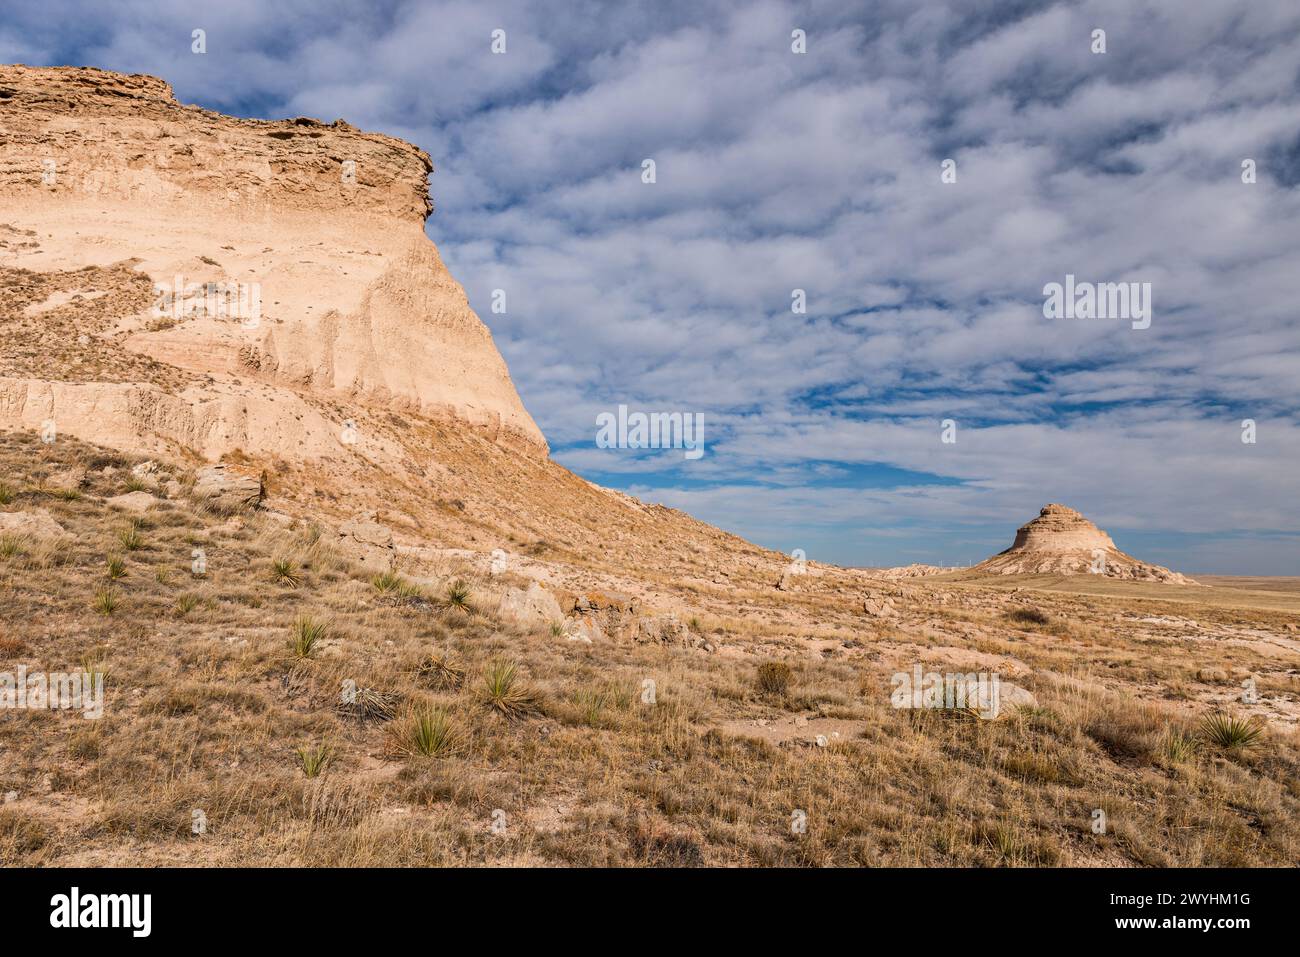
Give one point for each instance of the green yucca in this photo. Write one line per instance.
(386, 582)
(458, 596)
(185, 603)
(11, 545)
(283, 572)
(503, 692)
(1225, 731)
(7, 493)
(106, 601)
(307, 634)
(130, 537)
(314, 760)
(1178, 747)
(116, 567)
(430, 732)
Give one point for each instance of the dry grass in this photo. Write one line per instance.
(457, 716)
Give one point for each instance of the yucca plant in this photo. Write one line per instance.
(283, 572)
(430, 732)
(116, 566)
(1225, 731)
(440, 672)
(185, 603)
(163, 576)
(96, 672)
(1178, 747)
(134, 484)
(11, 545)
(502, 690)
(106, 601)
(307, 634)
(314, 760)
(386, 582)
(458, 596)
(591, 704)
(130, 537)
(7, 493)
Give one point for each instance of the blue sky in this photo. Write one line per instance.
(821, 171)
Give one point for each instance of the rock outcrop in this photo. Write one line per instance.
(1060, 541)
(178, 280)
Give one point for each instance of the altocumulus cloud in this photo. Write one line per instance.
(820, 171)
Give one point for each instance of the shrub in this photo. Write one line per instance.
(440, 672)
(1029, 616)
(185, 603)
(7, 493)
(774, 677)
(11, 545)
(116, 567)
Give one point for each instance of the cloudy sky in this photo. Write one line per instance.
(821, 171)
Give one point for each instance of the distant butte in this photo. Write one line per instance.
(1060, 541)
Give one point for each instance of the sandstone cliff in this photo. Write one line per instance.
(182, 280)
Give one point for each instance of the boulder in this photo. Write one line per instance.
(368, 543)
(145, 470)
(536, 606)
(36, 523)
(136, 502)
(226, 489)
(879, 606)
(68, 480)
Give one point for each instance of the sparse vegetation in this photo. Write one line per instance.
(1230, 733)
(130, 538)
(774, 677)
(306, 636)
(458, 597)
(429, 732)
(503, 691)
(314, 759)
(106, 601)
(284, 572)
(230, 715)
(386, 582)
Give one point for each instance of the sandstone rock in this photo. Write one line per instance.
(586, 630)
(1011, 697)
(137, 502)
(145, 469)
(35, 522)
(1060, 541)
(226, 489)
(669, 630)
(606, 601)
(67, 480)
(536, 606)
(1212, 674)
(371, 315)
(880, 607)
(368, 543)
(174, 489)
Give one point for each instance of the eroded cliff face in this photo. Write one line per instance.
(176, 279)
